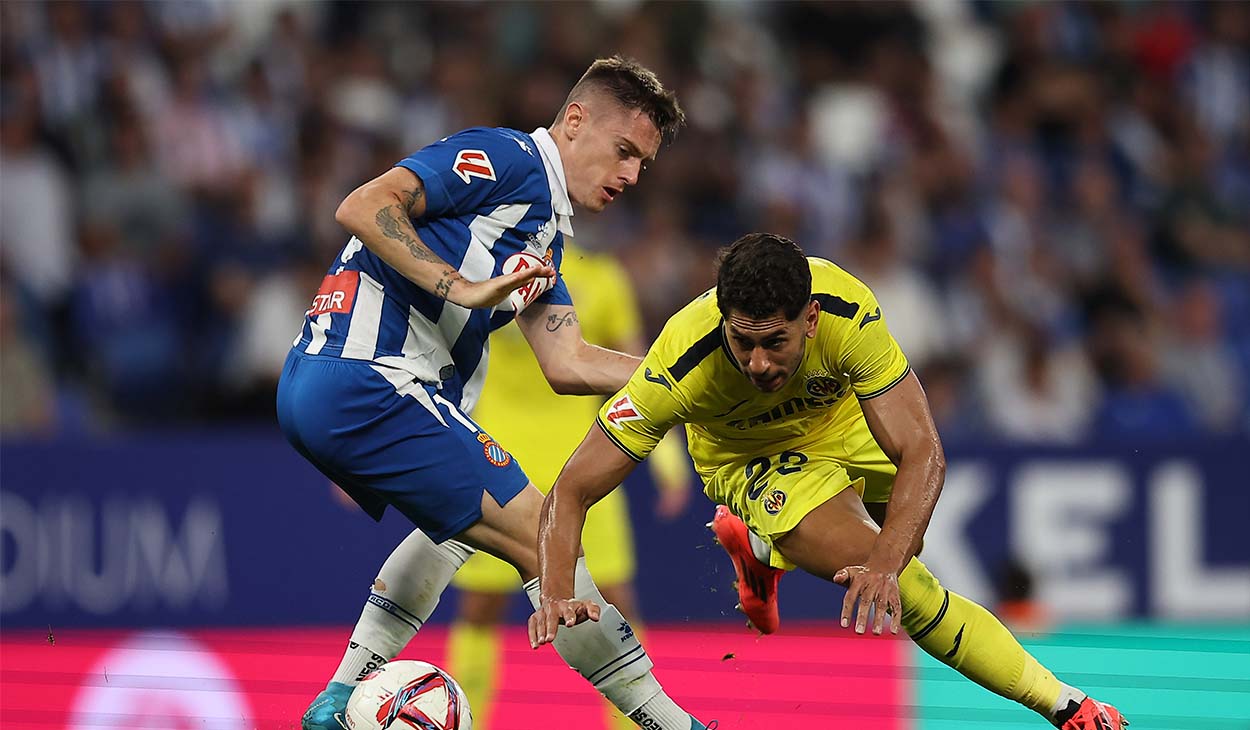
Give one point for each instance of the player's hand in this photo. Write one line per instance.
(552, 612)
(872, 588)
(487, 294)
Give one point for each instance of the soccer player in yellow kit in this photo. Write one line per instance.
(541, 430)
(799, 409)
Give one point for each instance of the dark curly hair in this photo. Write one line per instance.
(761, 274)
(634, 86)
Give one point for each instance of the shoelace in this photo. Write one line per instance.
(1105, 717)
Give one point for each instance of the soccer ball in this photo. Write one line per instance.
(525, 295)
(408, 694)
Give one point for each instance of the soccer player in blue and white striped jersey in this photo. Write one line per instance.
(455, 241)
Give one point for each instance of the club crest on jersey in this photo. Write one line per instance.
(823, 386)
(622, 410)
(473, 163)
(493, 452)
(774, 501)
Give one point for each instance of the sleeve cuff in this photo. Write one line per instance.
(615, 440)
(437, 199)
(881, 391)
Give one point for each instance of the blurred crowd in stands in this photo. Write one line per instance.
(1051, 200)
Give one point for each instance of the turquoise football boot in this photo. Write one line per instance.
(328, 710)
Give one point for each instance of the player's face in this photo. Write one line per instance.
(770, 350)
(608, 147)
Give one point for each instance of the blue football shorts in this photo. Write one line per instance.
(403, 446)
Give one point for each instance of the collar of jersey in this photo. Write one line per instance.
(555, 171)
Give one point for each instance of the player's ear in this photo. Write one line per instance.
(811, 318)
(574, 118)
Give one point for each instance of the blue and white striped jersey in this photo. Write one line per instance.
(490, 193)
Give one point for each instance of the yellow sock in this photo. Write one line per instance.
(968, 638)
(473, 657)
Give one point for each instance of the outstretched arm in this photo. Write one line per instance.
(379, 213)
(571, 365)
(594, 470)
(902, 425)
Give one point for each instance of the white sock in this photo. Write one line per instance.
(762, 551)
(610, 657)
(404, 595)
(661, 713)
(1070, 699)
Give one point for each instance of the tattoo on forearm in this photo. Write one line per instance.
(417, 192)
(556, 321)
(394, 224)
(443, 287)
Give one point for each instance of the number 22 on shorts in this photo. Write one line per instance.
(757, 470)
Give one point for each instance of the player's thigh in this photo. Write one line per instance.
(388, 442)
(833, 535)
(774, 492)
(485, 573)
(608, 541)
(878, 512)
(509, 531)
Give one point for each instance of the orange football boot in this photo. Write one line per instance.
(757, 582)
(1095, 715)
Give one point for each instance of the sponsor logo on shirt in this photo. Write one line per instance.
(797, 404)
(473, 163)
(542, 237)
(622, 410)
(336, 295)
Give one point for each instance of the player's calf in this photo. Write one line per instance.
(969, 639)
(405, 593)
(608, 654)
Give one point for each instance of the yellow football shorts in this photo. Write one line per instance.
(773, 492)
(607, 538)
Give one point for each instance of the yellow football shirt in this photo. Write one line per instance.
(690, 377)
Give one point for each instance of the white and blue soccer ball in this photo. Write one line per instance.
(408, 695)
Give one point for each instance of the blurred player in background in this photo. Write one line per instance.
(541, 430)
(452, 243)
(792, 441)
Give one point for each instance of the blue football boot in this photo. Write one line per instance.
(328, 710)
